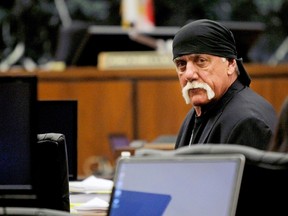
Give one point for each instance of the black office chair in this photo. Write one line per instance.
(52, 179)
(279, 141)
(23, 211)
(264, 186)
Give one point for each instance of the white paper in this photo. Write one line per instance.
(92, 205)
(91, 184)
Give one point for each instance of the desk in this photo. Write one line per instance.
(160, 146)
(131, 150)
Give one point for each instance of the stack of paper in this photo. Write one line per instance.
(92, 184)
(94, 205)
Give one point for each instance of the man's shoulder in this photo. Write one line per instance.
(247, 97)
(247, 104)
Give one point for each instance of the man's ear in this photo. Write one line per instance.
(232, 66)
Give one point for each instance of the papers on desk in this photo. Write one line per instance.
(91, 184)
(95, 205)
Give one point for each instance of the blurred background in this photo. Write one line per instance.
(36, 25)
(35, 33)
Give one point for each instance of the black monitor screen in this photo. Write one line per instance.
(115, 38)
(18, 96)
(60, 116)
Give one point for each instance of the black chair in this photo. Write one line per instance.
(24, 211)
(279, 141)
(264, 184)
(51, 168)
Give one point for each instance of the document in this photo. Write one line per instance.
(91, 184)
(96, 205)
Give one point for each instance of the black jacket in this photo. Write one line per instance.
(241, 116)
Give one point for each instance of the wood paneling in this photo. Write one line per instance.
(103, 108)
(142, 104)
(161, 108)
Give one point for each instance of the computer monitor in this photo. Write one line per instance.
(18, 96)
(114, 38)
(118, 141)
(60, 116)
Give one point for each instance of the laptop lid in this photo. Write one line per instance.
(179, 185)
(118, 141)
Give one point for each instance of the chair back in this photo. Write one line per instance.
(52, 178)
(264, 181)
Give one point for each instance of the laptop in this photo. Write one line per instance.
(178, 185)
(118, 141)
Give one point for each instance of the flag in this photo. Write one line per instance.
(138, 14)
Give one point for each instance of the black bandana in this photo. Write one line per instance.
(208, 37)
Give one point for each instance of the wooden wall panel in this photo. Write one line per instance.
(141, 103)
(103, 108)
(161, 108)
(274, 90)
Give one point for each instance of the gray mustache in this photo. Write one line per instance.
(195, 85)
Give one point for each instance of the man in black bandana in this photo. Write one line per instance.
(214, 81)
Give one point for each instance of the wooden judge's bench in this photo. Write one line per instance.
(143, 104)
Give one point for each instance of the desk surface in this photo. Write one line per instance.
(131, 150)
(160, 146)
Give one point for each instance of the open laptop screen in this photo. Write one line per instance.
(198, 185)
